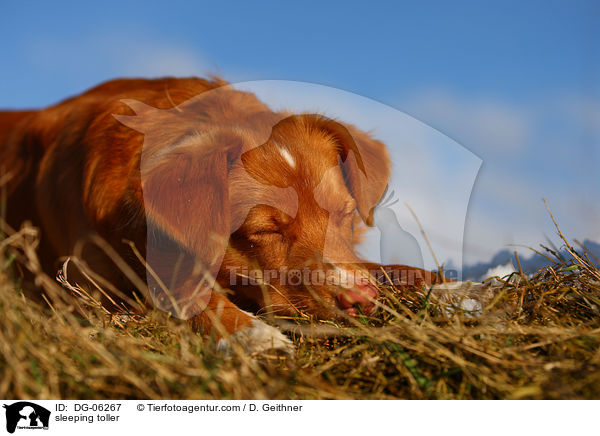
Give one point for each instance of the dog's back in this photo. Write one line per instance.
(46, 155)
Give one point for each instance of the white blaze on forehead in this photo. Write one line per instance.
(287, 156)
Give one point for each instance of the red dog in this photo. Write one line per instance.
(202, 179)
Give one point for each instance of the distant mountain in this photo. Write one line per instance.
(505, 258)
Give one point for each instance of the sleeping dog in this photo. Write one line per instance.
(213, 189)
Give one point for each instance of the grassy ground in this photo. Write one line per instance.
(537, 337)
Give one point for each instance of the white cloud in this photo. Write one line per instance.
(545, 148)
(478, 124)
(163, 61)
(113, 54)
(499, 271)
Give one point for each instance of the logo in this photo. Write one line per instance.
(26, 415)
(189, 162)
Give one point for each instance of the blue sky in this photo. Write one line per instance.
(517, 83)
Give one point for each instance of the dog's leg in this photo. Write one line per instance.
(468, 297)
(401, 276)
(193, 297)
(232, 326)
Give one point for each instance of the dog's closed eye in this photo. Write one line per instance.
(267, 233)
(266, 238)
(266, 230)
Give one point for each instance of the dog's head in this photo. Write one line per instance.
(301, 238)
(272, 204)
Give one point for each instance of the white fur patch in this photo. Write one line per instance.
(257, 339)
(287, 156)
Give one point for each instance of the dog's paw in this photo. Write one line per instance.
(257, 339)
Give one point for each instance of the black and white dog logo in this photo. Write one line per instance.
(26, 415)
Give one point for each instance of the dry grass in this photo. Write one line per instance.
(537, 338)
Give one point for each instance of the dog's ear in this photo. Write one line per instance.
(185, 191)
(364, 162)
(184, 166)
(183, 172)
(185, 188)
